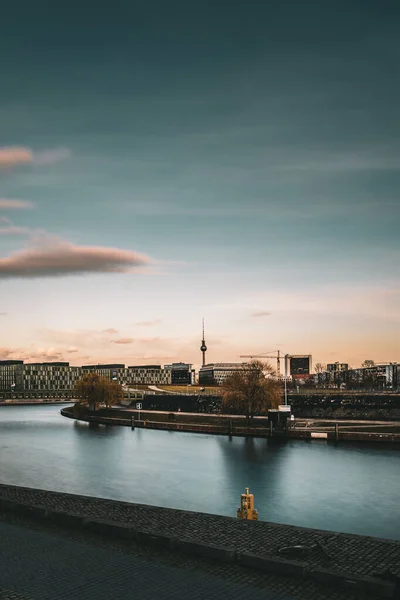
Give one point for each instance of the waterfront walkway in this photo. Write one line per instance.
(363, 563)
(43, 561)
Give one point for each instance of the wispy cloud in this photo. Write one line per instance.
(360, 159)
(354, 300)
(49, 157)
(13, 204)
(13, 230)
(260, 313)
(34, 354)
(123, 341)
(3, 314)
(13, 156)
(147, 323)
(77, 337)
(53, 257)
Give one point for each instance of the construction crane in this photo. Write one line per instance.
(278, 357)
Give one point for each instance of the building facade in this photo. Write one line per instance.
(377, 377)
(300, 364)
(11, 375)
(147, 374)
(15, 376)
(217, 373)
(116, 372)
(337, 366)
(50, 376)
(181, 373)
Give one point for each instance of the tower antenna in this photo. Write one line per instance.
(203, 346)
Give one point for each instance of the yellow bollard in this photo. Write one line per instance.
(247, 510)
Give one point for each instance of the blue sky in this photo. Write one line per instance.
(164, 162)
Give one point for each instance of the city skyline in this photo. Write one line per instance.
(160, 164)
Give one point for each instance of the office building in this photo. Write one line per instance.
(337, 366)
(147, 374)
(49, 376)
(181, 373)
(116, 372)
(300, 364)
(217, 373)
(11, 375)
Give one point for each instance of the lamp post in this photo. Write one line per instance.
(286, 370)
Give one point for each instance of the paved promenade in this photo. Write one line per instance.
(43, 561)
(322, 556)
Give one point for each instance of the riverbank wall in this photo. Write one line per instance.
(366, 564)
(328, 404)
(338, 405)
(35, 402)
(230, 425)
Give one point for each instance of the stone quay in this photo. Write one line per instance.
(362, 564)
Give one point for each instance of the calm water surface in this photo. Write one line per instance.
(352, 488)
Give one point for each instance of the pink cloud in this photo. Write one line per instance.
(13, 156)
(110, 330)
(261, 313)
(11, 204)
(33, 354)
(53, 257)
(124, 341)
(148, 323)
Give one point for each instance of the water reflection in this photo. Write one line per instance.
(342, 487)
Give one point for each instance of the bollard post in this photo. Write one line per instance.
(230, 427)
(247, 510)
(336, 431)
(132, 422)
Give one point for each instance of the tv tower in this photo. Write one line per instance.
(203, 346)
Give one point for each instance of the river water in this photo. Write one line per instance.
(347, 487)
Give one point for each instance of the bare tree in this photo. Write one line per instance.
(368, 363)
(319, 368)
(251, 390)
(93, 390)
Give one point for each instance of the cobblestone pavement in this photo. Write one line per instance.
(44, 561)
(352, 554)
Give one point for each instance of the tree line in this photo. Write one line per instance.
(249, 391)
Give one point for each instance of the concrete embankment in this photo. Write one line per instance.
(218, 424)
(348, 561)
(35, 402)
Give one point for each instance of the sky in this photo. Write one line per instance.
(161, 162)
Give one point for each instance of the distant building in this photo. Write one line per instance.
(181, 373)
(49, 376)
(300, 364)
(377, 377)
(11, 373)
(217, 373)
(337, 366)
(115, 372)
(147, 374)
(15, 376)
